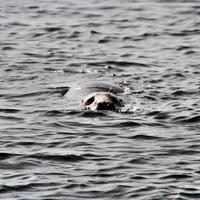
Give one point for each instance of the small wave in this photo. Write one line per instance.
(145, 137)
(52, 29)
(29, 94)
(37, 55)
(182, 92)
(4, 156)
(127, 124)
(23, 187)
(73, 185)
(36, 35)
(119, 63)
(190, 195)
(54, 113)
(59, 158)
(185, 32)
(9, 110)
(91, 114)
(18, 24)
(12, 118)
(186, 119)
(176, 176)
(139, 161)
(175, 152)
(7, 48)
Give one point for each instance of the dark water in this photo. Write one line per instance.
(150, 48)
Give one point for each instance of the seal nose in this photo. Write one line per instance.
(105, 106)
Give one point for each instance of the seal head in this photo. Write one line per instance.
(102, 101)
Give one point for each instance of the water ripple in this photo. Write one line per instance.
(50, 148)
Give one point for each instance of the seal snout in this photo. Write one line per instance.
(106, 106)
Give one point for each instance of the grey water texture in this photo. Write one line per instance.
(50, 149)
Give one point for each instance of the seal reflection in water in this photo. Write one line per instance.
(102, 101)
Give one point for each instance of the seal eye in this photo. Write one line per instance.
(89, 101)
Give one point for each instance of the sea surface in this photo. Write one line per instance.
(51, 151)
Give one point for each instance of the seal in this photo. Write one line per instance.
(96, 96)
